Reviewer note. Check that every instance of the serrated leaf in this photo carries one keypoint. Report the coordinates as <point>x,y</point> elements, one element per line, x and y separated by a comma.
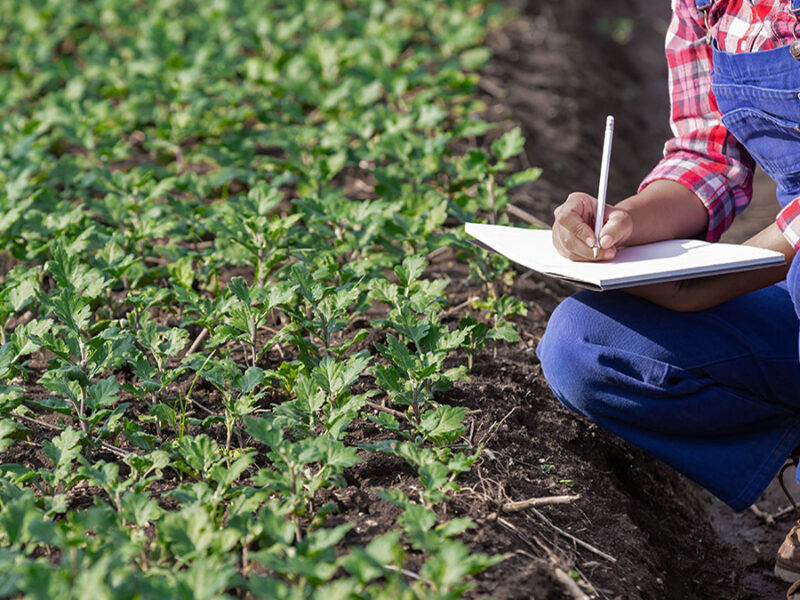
<point>504,331</point>
<point>253,377</point>
<point>410,270</point>
<point>139,508</point>
<point>444,423</point>
<point>510,144</point>
<point>103,393</point>
<point>63,451</point>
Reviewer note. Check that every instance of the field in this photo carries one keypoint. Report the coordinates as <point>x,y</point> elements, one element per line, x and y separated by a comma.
<point>247,350</point>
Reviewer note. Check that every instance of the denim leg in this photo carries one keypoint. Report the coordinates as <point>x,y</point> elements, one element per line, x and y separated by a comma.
<point>710,393</point>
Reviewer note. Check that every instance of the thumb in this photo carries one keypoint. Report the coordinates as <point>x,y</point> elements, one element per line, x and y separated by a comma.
<point>617,228</point>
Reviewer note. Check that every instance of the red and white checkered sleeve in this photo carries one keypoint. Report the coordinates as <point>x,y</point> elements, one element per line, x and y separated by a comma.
<point>701,155</point>
<point>788,221</point>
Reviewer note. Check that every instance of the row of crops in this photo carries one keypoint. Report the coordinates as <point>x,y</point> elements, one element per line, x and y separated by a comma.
<point>217,229</point>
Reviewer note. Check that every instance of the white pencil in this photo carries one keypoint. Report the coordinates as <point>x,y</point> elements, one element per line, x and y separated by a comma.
<point>601,192</point>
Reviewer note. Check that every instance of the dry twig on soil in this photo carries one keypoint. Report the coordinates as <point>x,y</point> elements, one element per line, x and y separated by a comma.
<point>569,584</point>
<point>389,411</point>
<point>521,505</point>
<point>768,517</point>
<point>494,427</point>
<point>197,341</point>
<point>576,540</point>
<point>104,445</point>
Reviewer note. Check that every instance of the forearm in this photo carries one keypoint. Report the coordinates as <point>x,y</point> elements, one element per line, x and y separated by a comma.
<point>693,295</point>
<point>664,210</point>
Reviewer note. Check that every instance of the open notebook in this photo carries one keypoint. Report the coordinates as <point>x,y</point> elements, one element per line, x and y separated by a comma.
<point>635,265</point>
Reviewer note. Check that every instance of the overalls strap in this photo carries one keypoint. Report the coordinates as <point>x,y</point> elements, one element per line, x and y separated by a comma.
<point>704,5</point>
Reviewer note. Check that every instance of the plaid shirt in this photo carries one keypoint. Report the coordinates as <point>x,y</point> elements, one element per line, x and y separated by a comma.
<point>702,155</point>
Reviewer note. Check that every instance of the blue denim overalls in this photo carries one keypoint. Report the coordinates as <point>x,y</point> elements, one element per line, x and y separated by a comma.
<point>715,394</point>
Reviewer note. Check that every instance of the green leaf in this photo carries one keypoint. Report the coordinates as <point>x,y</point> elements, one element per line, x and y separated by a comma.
<point>443,424</point>
<point>63,451</point>
<point>510,144</point>
<point>10,431</point>
<point>522,177</point>
<point>226,475</point>
<point>102,393</point>
<point>410,270</point>
<point>339,456</point>
<point>417,521</point>
<point>474,58</point>
<point>208,577</point>
<point>200,452</point>
<point>430,115</point>
<point>264,430</point>
<point>504,331</point>
<point>139,508</point>
<point>433,476</point>
<point>253,377</point>
<point>321,540</point>
<point>72,310</point>
<point>239,288</point>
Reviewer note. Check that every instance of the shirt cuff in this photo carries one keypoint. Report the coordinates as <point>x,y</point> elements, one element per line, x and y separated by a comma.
<point>722,201</point>
<point>788,221</point>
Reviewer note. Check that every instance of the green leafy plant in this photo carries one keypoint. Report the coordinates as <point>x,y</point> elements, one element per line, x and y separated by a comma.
<point>216,228</point>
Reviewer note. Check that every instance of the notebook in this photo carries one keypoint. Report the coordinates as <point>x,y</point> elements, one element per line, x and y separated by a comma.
<point>635,265</point>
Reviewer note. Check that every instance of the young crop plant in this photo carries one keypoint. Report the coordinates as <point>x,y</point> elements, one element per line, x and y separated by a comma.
<point>216,222</point>
<point>247,313</point>
<point>300,467</point>
<point>240,391</point>
<point>362,230</point>
<point>133,206</point>
<point>478,178</point>
<point>415,356</point>
<point>324,399</point>
<point>251,230</point>
<point>447,560</point>
<point>81,350</point>
<point>479,334</point>
<point>324,312</point>
<point>156,346</point>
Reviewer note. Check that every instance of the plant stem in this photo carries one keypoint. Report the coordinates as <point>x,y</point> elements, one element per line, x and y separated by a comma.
<point>492,201</point>
<point>84,427</point>
<point>415,403</point>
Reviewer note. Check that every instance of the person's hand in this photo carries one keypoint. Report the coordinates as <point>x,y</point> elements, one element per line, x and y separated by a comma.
<point>573,229</point>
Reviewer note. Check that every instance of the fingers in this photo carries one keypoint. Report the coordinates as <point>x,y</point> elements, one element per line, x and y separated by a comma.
<point>573,229</point>
<point>573,237</point>
<point>617,228</point>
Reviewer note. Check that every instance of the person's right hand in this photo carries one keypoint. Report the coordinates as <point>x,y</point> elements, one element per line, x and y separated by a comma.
<point>573,229</point>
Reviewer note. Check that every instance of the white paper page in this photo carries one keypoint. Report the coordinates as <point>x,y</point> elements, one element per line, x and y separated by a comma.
<point>534,249</point>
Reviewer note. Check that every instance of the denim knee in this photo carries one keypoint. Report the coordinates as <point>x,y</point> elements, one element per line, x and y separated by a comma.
<point>565,354</point>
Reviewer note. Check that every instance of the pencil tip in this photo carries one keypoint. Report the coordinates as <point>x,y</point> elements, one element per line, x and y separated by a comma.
<point>594,252</point>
